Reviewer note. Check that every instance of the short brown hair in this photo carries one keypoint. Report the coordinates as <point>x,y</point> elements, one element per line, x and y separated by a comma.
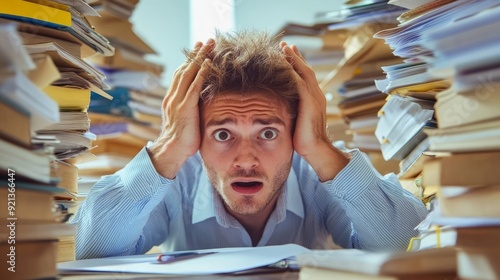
<point>249,61</point>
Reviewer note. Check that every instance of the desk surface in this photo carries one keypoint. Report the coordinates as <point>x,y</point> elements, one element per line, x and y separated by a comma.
<point>286,275</point>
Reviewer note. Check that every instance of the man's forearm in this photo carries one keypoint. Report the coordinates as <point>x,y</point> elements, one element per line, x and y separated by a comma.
<point>327,161</point>
<point>117,211</point>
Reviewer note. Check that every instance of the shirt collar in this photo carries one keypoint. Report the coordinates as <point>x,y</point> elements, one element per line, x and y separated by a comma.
<point>209,205</point>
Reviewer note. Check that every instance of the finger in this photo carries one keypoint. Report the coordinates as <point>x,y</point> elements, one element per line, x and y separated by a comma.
<point>282,44</point>
<point>182,68</point>
<point>297,52</point>
<point>299,65</point>
<point>193,93</point>
<point>189,74</point>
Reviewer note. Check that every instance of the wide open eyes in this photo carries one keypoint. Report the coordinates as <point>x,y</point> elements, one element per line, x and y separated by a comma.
<point>268,134</point>
<point>222,135</point>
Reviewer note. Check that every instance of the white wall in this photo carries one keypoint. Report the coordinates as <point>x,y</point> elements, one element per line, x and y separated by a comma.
<point>271,15</point>
<point>166,24</point>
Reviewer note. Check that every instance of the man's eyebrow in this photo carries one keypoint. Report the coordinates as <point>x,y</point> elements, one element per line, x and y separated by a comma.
<point>269,120</point>
<point>220,122</point>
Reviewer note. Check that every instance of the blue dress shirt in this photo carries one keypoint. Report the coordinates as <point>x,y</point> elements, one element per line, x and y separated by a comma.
<point>135,209</point>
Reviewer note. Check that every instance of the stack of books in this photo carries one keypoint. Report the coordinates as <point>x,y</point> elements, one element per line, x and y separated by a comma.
<point>323,50</point>
<point>468,133</point>
<point>32,222</point>
<point>411,91</point>
<point>57,43</point>
<point>450,58</point>
<point>350,84</point>
<point>124,125</point>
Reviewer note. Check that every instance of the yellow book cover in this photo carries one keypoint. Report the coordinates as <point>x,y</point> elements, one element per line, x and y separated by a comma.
<point>40,12</point>
<point>69,98</point>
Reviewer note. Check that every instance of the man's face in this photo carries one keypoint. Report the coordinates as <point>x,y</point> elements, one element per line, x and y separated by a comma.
<point>247,149</point>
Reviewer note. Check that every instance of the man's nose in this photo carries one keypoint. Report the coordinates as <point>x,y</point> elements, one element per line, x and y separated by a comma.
<point>246,157</point>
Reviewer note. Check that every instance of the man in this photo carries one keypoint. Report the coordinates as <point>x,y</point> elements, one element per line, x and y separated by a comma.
<point>244,160</point>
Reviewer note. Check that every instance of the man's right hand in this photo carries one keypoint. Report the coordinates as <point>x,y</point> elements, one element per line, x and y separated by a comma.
<point>180,135</point>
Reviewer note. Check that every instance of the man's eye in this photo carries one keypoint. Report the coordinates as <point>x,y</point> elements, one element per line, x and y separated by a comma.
<point>222,135</point>
<point>268,134</point>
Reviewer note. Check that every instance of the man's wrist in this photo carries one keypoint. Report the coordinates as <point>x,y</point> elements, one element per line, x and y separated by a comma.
<point>164,162</point>
<point>327,161</point>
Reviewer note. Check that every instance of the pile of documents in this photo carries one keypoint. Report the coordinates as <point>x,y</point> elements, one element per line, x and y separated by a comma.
<point>451,58</point>
<point>124,125</point>
<point>351,82</point>
<point>30,235</point>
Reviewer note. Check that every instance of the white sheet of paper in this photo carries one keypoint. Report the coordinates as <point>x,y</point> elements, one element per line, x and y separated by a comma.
<point>224,261</point>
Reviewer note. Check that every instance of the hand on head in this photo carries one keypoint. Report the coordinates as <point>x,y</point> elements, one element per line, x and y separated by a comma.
<point>180,135</point>
<point>310,139</point>
<point>310,126</point>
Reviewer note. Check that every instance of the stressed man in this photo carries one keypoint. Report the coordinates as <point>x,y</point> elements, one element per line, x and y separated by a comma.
<point>243,159</point>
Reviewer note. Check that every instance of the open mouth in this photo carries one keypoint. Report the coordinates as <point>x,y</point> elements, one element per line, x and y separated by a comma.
<point>247,187</point>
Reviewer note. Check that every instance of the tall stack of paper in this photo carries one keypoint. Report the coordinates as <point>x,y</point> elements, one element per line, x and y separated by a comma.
<point>411,83</point>
<point>57,43</point>
<point>135,81</point>
<point>123,125</point>
<point>469,127</point>
<point>28,238</point>
<point>451,54</point>
<point>323,50</point>
<point>350,84</point>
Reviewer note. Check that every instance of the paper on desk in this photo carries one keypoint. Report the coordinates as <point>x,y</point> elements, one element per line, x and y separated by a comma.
<point>224,261</point>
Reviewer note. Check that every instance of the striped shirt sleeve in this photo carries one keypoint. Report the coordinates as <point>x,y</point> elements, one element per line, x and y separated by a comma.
<point>381,214</point>
<point>111,220</point>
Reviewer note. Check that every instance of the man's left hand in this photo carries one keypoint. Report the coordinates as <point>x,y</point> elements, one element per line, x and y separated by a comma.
<point>310,139</point>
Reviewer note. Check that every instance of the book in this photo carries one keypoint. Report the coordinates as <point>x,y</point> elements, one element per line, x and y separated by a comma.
<point>67,174</point>
<point>66,249</point>
<point>125,59</point>
<point>62,34</point>
<point>34,165</point>
<point>70,142</point>
<point>46,71</point>
<point>40,12</point>
<point>462,169</point>
<point>454,108</point>
<point>72,48</point>
<point>480,202</point>
<point>310,273</point>
<point>428,261</point>
<point>478,237</point>
<point>33,260</point>
<point>120,33</point>
<point>125,144</point>
<point>147,118</point>
<point>63,59</point>
<point>69,98</point>
<point>17,88</point>
<point>478,264</point>
<point>17,129</point>
<point>121,9</point>
<point>30,205</point>
<point>71,120</point>
<point>38,231</point>
<point>105,164</point>
<point>17,58</point>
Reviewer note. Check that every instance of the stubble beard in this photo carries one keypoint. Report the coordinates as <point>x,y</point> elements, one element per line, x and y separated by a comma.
<point>248,204</point>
